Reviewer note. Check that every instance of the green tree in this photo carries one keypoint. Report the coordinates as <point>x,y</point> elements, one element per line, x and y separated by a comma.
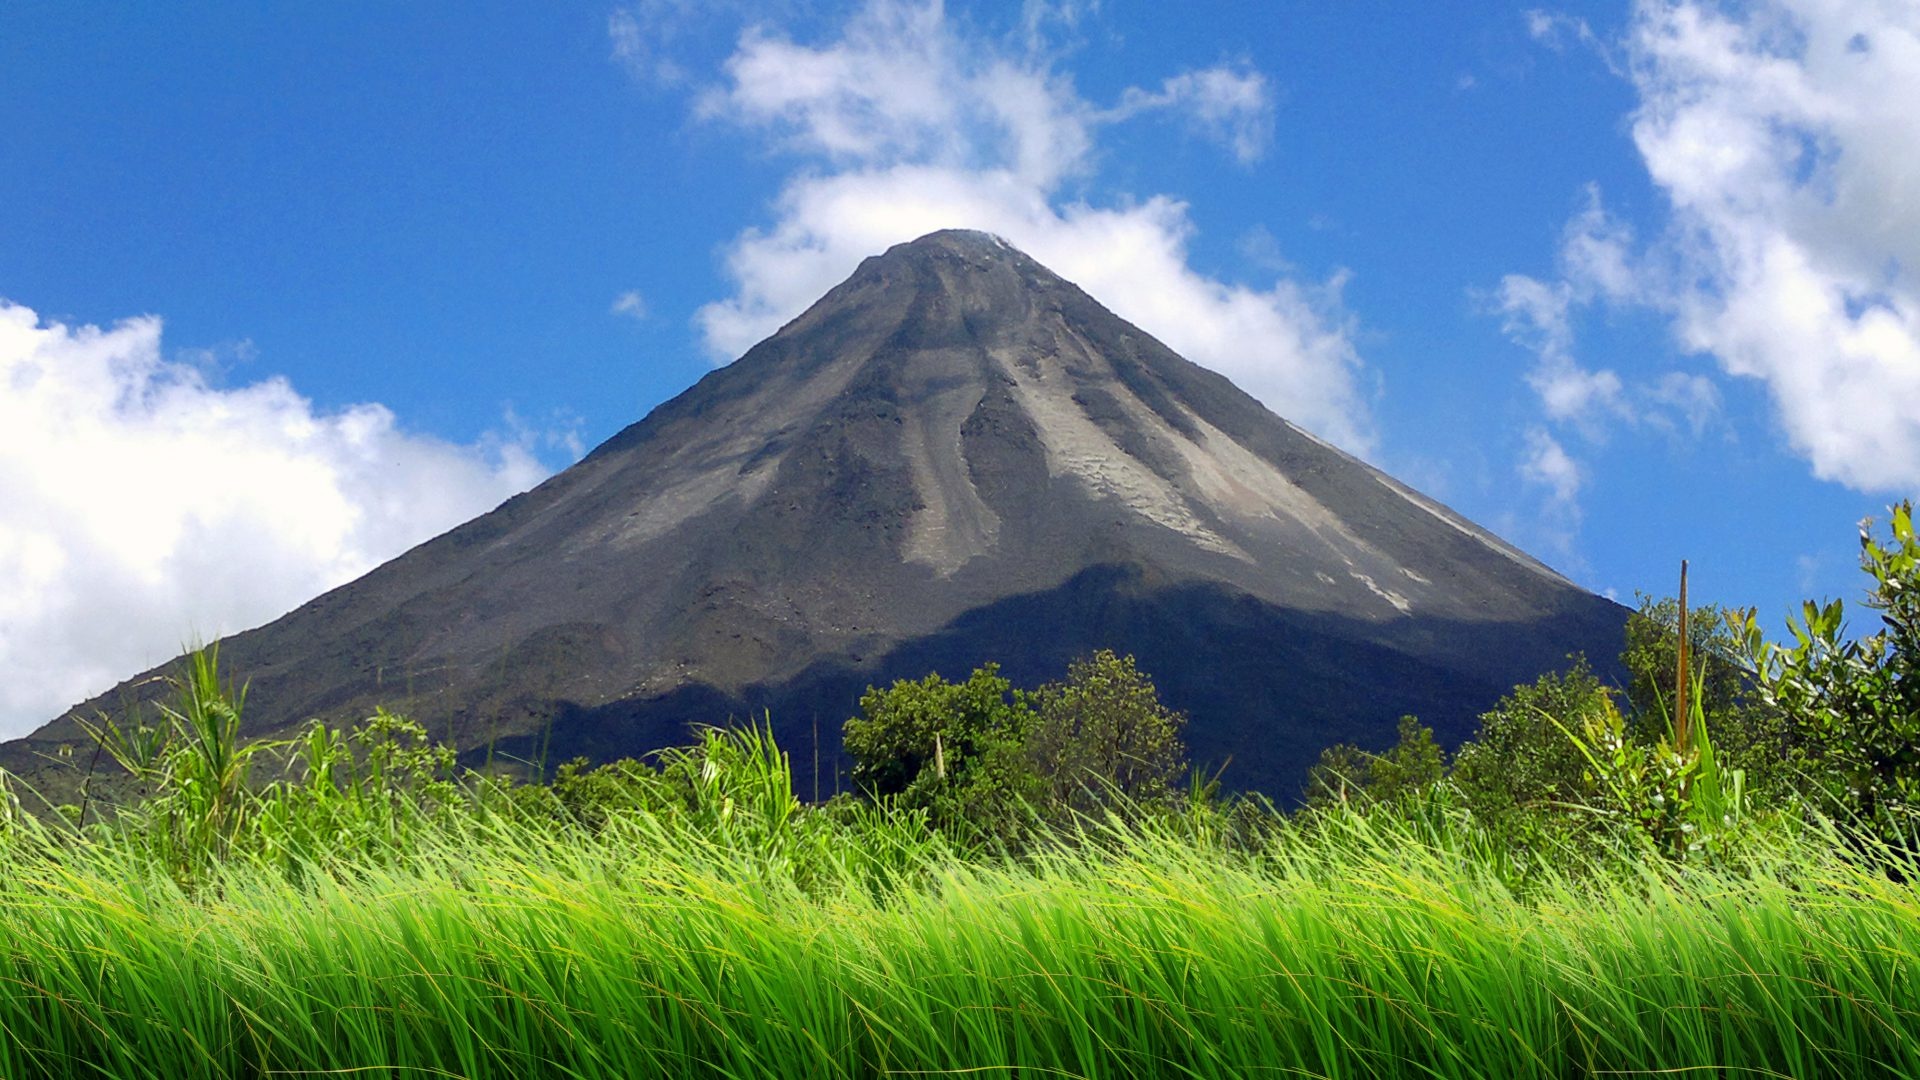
<point>1855,704</point>
<point>1340,777</point>
<point>955,750</point>
<point>1349,776</point>
<point>590,796</point>
<point>1556,768</point>
<point>1103,735</point>
<point>1522,774</point>
<point>1651,658</point>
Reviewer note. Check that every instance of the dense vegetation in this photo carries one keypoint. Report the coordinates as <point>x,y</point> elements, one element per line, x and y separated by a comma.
<point>1023,884</point>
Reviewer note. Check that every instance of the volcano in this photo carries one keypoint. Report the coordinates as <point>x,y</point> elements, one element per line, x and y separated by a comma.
<point>954,457</point>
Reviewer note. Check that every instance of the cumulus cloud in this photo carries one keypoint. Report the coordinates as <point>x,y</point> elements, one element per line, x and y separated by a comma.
<point>146,506</point>
<point>1781,135</point>
<point>905,123</point>
<point>900,85</point>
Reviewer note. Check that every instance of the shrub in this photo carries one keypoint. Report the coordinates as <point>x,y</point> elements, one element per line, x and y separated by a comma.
<point>1854,705</point>
<point>1521,774</point>
<point>988,764</point>
<point>952,750</point>
<point>375,790</point>
<point>198,771</point>
<point>1749,735</point>
<point>1346,775</point>
<point>1101,738</point>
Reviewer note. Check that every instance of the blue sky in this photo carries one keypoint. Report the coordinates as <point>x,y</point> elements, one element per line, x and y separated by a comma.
<point>285,293</point>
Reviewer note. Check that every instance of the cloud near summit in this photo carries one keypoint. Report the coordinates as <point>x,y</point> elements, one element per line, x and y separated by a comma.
<point>905,122</point>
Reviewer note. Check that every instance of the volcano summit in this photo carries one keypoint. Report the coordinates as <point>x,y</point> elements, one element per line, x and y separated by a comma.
<point>953,457</point>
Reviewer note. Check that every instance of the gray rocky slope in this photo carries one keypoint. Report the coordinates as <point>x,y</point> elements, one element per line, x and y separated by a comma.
<point>953,457</point>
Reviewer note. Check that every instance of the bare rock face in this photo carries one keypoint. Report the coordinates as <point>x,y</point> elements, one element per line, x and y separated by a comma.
<point>953,457</point>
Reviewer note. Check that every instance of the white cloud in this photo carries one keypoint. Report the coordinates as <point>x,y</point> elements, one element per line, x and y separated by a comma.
<point>1545,463</point>
<point>907,124</point>
<point>146,507</point>
<point>1232,106</point>
<point>1596,255</point>
<point>1694,399</point>
<point>1571,392</point>
<point>1261,248</point>
<point>631,305</point>
<point>1039,18</point>
<point>1596,264</point>
<point>901,86</point>
<point>643,34</point>
<point>1536,315</point>
<point>1556,29</point>
<point>1781,134</point>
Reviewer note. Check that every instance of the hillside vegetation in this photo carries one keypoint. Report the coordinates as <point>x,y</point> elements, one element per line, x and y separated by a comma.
<point>1026,883</point>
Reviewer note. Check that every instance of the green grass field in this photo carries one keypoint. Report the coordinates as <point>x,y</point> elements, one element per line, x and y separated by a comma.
<point>1356,949</point>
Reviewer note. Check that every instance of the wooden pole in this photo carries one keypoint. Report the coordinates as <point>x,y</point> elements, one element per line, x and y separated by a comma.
<point>1682,716</point>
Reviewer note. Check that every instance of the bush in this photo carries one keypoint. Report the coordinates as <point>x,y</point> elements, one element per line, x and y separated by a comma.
<point>1854,705</point>
<point>1521,774</point>
<point>952,750</point>
<point>988,764</point>
<point>1102,738</point>
<point>367,793</point>
<point>1346,775</point>
<point>1748,734</point>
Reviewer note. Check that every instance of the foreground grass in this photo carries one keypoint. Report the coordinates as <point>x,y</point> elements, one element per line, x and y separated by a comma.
<point>1349,952</point>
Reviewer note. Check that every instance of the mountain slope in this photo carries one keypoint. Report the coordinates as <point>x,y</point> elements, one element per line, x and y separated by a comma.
<point>953,457</point>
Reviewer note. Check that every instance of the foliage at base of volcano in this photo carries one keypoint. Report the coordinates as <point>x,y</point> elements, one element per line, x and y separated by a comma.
<point>1020,888</point>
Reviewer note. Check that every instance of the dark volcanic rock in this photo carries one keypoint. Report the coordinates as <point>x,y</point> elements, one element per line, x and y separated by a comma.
<point>954,457</point>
